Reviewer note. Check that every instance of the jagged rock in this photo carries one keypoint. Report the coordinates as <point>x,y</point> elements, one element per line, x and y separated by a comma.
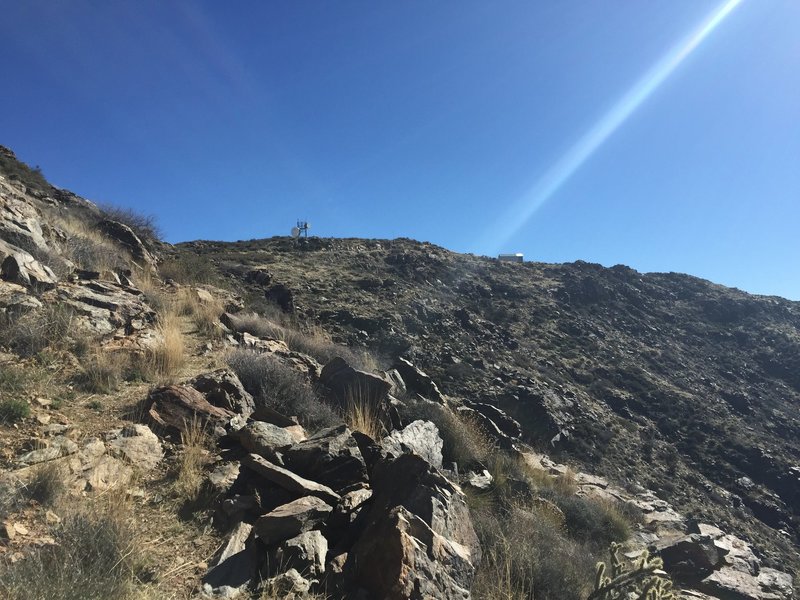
<point>331,456</point>
<point>502,421</point>
<point>175,407</point>
<point>224,476</point>
<point>15,301</point>
<point>127,238</point>
<point>137,445</point>
<point>349,506</point>
<point>400,557</point>
<point>106,307</point>
<point>691,558</point>
<point>351,385</point>
<point>419,437</point>
<point>288,480</point>
<point>17,266</point>
<point>58,447</point>
<point>418,381</point>
<point>479,481</point>
<point>419,541</point>
<point>222,388</point>
<point>305,552</point>
<point>282,296</point>
<point>287,586</point>
<point>487,426</point>
<point>236,566</point>
<point>730,584</point>
<point>20,223</point>
<point>292,519</point>
<point>263,438</point>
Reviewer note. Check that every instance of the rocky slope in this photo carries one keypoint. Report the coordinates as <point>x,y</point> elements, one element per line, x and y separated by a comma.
<point>662,380</point>
<point>256,458</point>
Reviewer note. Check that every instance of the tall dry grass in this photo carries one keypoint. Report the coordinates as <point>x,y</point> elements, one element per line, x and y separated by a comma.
<point>192,459</point>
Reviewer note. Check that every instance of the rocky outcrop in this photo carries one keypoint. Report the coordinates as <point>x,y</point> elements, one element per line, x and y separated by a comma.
<point>126,237</point>
<point>17,266</point>
<point>420,437</point>
<point>176,407</point>
<point>222,388</point>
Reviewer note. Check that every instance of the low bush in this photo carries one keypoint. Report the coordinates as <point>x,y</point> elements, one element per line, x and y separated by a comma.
<point>163,361</point>
<point>32,178</point>
<point>102,372</point>
<point>143,225</point>
<point>94,557</point>
<point>29,334</point>
<point>190,269</point>
<point>526,555</point>
<point>204,313</point>
<point>13,410</point>
<point>47,484</point>
<point>280,387</point>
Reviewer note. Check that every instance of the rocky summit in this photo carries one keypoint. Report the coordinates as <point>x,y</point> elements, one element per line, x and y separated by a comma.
<point>379,419</point>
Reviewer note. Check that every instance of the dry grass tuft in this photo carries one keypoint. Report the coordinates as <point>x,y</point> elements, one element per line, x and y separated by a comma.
<point>163,362</point>
<point>193,458</point>
<point>47,485</point>
<point>362,413</point>
<point>103,372</point>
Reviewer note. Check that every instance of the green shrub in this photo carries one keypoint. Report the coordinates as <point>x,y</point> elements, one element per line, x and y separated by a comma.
<point>275,385</point>
<point>13,410</point>
<point>190,269</point>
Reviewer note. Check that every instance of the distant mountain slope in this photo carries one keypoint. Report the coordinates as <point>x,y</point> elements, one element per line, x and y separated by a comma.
<point>663,380</point>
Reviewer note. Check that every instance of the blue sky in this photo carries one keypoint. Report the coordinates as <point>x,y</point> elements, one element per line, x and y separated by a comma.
<point>432,120</point>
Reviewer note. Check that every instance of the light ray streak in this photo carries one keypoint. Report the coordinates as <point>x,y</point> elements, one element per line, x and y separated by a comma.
<point>523,209</point>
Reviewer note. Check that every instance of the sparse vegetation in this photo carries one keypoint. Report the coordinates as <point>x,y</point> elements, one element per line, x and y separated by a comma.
<point>163,361</point>
<point>280,387</point>
<point>94,557</point>
<point>29,334</point>
<point>362,413</point>
<point>203,312</point>
<point>192,459</point>
<point>103,372</point>
<point>190,269</point>
<point>47,485</point>
<point>32,178</point>
<point>314,342</point>
<point>13,410</point>
<point>143,225</point>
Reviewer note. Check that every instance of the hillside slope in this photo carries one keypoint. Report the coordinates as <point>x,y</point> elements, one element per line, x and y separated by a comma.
<point>661,380</point>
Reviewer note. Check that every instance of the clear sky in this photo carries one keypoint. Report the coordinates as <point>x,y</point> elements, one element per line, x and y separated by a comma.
<point>664,135</point>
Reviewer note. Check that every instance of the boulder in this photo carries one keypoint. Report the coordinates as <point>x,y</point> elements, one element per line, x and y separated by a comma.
<point>107,308</point>
<point>17,266</point>
<point>237,564</point>
<point>15,300</point>
<point>691,558</point>
<point>419,541</point>
<point>126,237</point>
<point>287,586</point>
<point>137,445</point>
<point>263,438</point>
<point>501,420</point>
<point>331,456</point>
<point>288,480</point>
<point>56,448</point>
<point>418,381</point>
<point>222,388</point>
<point>400,557</point>
<point>305,552</point>
<point>420,437</point>
<point>176,407</point>
<point>351,385</point>
<point>292,519</point>
<point>487,426</point>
